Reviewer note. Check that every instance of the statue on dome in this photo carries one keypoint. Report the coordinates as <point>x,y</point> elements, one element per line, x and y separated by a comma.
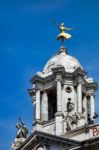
<point>21,134</point>
<point>63,35</point>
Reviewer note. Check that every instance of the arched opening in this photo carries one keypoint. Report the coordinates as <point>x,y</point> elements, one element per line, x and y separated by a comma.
<point>52,103</point>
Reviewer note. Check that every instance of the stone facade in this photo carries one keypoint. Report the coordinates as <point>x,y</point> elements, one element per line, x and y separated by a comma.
<point>63,101</point>
<point>63,94</point>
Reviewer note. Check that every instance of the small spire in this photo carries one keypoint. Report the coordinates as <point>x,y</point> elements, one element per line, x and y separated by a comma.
<point>62,34</point>
<point>63,49</point>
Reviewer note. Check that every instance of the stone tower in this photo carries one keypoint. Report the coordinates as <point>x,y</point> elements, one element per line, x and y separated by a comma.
<point>62,95</point>
<point>63,103</point>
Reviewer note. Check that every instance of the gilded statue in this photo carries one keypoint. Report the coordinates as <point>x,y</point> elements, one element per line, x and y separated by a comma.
<point>63,35</point>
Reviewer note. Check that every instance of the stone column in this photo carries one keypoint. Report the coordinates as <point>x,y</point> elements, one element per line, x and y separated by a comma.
<point>34,105</point>
<point>34,109</point>
<point>45,106</point>
<point>59,114</point>
<point>92,107</point>
<point>85,109</point>
<point>38,104</point>
<point>75,99</point>
<point>79,97</point>
<point>59,95</point>
<point>63,99</point>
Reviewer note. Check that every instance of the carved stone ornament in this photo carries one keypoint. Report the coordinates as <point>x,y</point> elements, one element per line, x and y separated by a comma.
<point>68,89</point>
<point>40,147</point>
<point>72,118</point>
<point>70,106</point>
<point>17,142</point>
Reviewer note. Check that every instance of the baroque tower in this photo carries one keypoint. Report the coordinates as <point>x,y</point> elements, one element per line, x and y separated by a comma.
<point>63,102</point>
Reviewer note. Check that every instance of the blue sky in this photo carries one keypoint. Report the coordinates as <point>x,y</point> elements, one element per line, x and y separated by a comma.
<point>28,40</point>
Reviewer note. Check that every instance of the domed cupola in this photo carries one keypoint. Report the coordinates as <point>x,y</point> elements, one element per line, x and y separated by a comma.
<point>62,59</point>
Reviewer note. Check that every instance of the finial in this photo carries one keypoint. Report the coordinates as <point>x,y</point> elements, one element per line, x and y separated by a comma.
<point>63,49</point>
<point>62,34</point>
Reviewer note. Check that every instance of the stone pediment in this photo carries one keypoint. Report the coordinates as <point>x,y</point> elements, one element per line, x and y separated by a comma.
<point>41,138</point>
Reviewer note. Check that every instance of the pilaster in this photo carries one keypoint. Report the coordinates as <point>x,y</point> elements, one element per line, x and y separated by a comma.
<point>59,123</point>
<point>85,109</point>
<point>92,109</point>
<point>59,94</point>
<point>79,97</point>
<point>38,104</point>
<point>44,106</point>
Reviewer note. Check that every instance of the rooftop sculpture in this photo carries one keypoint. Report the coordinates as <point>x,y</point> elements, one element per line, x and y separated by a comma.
<point>21,134</point>
<point>62,34</point>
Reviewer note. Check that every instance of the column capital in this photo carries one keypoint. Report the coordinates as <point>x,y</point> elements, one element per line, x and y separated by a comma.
<point>37,88</point>
<point>43,90</point>
<point>58,78</point>
<point>79,82</point>
<point>90,94</point>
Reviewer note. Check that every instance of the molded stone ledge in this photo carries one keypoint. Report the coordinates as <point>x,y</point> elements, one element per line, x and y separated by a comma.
<point>58,69</point>
<point>79,71</point>
<point>37,122</point>
<point>43,122</point>
<point>59,113</point>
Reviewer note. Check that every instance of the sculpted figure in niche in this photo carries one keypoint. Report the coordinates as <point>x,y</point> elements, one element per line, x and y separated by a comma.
<point>71,116</point>
<point>70,106</point>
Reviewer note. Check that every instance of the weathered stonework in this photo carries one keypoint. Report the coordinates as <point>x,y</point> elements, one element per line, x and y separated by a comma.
<point>60,73</point>
<point>63,100</point>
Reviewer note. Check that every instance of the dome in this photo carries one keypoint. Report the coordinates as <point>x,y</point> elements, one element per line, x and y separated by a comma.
<point>62,59</point>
